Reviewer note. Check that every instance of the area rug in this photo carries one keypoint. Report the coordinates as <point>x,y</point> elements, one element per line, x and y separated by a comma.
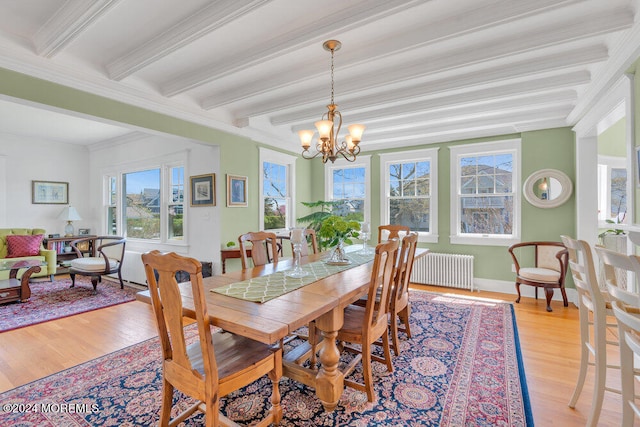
<point>461,368</point>
<point>53,300</point>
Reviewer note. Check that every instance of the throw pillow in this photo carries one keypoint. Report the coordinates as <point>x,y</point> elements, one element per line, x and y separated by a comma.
<point>23,245</point>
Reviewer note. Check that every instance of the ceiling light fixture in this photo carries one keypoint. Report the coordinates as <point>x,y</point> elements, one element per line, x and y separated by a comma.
<point>328,144</point>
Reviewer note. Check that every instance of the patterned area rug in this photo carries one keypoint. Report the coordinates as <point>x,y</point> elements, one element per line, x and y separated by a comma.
<point>53,300</point>
<point>461,368</point>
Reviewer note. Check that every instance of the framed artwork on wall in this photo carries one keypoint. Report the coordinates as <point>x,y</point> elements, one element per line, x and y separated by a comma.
<point>49,192</point>
<point>237,191</point>
<point>203,190</point>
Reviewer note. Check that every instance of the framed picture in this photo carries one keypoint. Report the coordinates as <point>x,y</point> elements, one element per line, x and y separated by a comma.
<point>237,191</point>
<point>83,231</point>
<point>49,192</point>
<point>203,190</point>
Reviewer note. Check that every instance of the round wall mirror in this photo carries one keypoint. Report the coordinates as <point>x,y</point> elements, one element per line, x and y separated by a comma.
<point>547,188</point>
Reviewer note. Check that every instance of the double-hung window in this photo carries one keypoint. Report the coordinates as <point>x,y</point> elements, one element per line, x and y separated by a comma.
<point>612,189</point>
<point>485,193</point>
<point>277,184</point>
<point>349,183</point>
<point>410,191</point>
<point>146,203</point>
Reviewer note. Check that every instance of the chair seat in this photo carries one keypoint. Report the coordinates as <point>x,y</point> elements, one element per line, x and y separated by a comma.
<point>540,274</point>
<point>234,354</point>
<point>93,264</point>
<point>353,318</point>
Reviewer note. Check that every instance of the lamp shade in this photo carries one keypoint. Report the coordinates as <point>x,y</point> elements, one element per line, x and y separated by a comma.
<point>69,214</point>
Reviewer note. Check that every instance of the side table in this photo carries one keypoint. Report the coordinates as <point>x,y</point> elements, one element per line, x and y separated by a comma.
<point>14,289</point>
<point>230,253</point>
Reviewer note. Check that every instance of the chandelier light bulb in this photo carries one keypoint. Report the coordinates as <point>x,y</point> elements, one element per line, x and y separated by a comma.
<point>324,129</point>
<point>305,138</point>
<point>356,131</point>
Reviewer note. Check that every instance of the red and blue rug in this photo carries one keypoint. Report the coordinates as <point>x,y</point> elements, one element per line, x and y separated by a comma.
<point>461,368</point>
<point>54,300</point>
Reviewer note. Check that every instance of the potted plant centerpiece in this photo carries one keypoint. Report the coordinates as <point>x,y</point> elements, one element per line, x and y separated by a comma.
<point>337,231</point>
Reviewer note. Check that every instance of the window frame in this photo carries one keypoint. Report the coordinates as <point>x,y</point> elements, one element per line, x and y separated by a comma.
<point>386,160</point>
<point>605,166</point>
<point>164,164</point>
<point>359,162</point>
<point>289,161</point>
<point>512,146</point>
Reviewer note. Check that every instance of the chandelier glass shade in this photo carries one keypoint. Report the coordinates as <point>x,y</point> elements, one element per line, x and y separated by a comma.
<point>328,144</point>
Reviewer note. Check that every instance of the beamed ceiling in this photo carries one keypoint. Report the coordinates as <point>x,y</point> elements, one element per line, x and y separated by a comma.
<point>413,72</point>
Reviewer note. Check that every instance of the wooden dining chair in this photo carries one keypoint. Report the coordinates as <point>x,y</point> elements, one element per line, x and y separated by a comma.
<point>400,306</point>
<point>365,325</point>
<point>593,312</point>
<point>310,234</point>
<point>211,366</point>
<point>626,309</point>
<point>264,249</point>
<point>393,231</point>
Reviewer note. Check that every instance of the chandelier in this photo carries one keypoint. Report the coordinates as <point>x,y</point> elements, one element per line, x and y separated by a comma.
<point>328,144</point>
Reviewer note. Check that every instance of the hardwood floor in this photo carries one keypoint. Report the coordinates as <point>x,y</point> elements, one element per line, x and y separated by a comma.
<point>549,343</point>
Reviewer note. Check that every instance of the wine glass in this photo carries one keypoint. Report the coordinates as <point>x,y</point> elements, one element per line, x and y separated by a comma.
<point>297,240</point>
<point>365,231</point>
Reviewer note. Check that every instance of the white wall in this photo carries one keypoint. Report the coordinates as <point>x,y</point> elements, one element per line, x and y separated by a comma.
<point>30,159</point>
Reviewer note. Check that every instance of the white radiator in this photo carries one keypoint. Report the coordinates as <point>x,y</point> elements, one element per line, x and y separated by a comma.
<point>452,270</point>
<point>133,269</point>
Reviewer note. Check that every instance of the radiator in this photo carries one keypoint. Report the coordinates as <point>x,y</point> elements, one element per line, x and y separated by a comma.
<point>133,269</point>
<point>452,270</point>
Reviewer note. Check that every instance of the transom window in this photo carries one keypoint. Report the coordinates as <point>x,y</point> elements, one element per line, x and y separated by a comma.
<point>486,204</point>
<point>409,191</point>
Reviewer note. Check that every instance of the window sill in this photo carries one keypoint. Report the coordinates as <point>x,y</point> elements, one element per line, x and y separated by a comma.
<point>483,240</point>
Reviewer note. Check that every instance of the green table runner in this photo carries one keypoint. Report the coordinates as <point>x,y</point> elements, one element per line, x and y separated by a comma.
<point>265,288</point>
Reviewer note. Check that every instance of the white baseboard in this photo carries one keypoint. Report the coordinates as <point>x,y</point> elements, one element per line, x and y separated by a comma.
<point>507,287</point>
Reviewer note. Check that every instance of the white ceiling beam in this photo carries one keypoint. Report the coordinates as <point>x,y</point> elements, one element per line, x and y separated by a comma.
<point>507,90</point>
<point>204,21</point>
<point>67,23</point>
<point>497,74</point>
<point>348,18</point>
<point>457,25</point>
<point>494,107</point>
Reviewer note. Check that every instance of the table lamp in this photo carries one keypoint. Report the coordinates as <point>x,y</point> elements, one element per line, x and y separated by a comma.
<point>69,214</point>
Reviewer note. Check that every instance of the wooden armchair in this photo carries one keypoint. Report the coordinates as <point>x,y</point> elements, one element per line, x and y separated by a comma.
<point>264,249</point>
<point>213,365</point>
<point>393,230</point>
<point>108,258</point>
<point>549,269</point>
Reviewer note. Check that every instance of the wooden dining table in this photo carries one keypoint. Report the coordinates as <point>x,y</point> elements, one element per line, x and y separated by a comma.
<point>323,301</point>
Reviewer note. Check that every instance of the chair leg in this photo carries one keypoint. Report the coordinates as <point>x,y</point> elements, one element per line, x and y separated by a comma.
<point>518,290</point>
<point>167,402</point>
<point>73,280</point>
<point>94,282</point>
<point>366,371</point>
<point>394,333</point>
<point>584,356</point>
<point>120,278</point>
<point>405,315</point>
<point>387,351</point>
<point>600,347</point>
<point>565,300</point>
<point>549,294</point>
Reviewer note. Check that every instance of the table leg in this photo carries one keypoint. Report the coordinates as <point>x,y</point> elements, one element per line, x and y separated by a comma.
<point>25,290</point>
<point>330,381</point>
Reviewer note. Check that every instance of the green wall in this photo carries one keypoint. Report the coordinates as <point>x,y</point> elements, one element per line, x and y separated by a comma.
<point>612,142</point>
<point>552,148</point>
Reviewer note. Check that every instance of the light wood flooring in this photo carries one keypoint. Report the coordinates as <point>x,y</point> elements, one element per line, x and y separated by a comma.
<point>549,342</point>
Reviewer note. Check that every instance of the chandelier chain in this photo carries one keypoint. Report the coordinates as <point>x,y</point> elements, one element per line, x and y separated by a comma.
<point>332,50</point>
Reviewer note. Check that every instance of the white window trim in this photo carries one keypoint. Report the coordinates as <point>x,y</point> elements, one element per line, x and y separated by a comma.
<point>277,157</point>
<point>456,151</point>
<point>430,154</point>
<point>179,158</point>
<point>360,161</point>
